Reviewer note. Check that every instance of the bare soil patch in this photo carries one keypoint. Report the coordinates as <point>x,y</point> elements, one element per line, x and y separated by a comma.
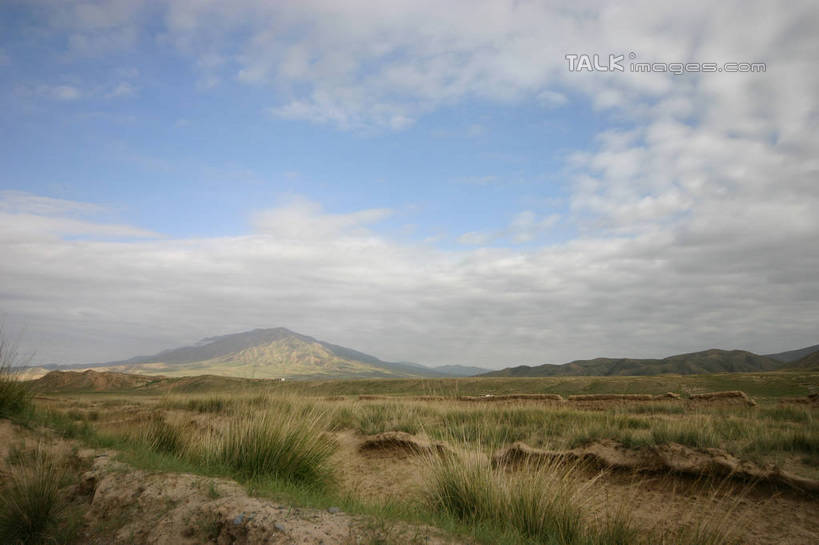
<point>670,458</point>
<point>731,397</point>
<point>401,443</point>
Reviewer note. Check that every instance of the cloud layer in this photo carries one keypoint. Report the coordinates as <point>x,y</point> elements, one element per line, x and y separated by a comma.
<point>330,276</point>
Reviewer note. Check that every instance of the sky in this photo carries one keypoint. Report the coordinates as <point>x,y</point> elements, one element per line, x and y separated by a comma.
<point>418,180</point>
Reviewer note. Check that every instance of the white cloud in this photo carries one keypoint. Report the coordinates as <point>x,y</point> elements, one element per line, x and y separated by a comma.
<point>302,220</point>
<point>523,227</point>
<point>122,90</point>
<point>24,202</point>
<point>526,225</point>
<point>475,238</point>
<point>60,92</point>
<point>25,215</point>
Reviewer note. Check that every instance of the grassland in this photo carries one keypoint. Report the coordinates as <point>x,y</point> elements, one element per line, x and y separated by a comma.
<point>300,442</point>
<point>762,386</point>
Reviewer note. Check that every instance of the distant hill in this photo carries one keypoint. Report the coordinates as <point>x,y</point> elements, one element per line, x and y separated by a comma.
<point>811,361</point>
<point>90,381</point>
<point>266,353</point>
<point>794,355</point>
<point>460,370</point>
<point>708,361</point>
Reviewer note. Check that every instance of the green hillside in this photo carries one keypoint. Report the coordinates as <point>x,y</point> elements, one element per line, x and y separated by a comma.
<point>708,361</point>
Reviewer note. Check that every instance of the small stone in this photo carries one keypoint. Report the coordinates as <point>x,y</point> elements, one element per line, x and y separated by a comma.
<point>239,518</point>
<point>333,510</point>
<point>279,526</point>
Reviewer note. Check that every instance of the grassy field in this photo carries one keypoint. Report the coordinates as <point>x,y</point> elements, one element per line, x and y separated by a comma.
<point>298,441</point>
<point>762,386</point>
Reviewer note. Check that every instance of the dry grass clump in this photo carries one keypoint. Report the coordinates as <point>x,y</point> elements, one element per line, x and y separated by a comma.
<point>287,447</point>
<point>283,440</point>
<point>544,504</point>
<point>161,436</point>
<point>550,503</point>
<point>14,396</point>
<point>29,500</point>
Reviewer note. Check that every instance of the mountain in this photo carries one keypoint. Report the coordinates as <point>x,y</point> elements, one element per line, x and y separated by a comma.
<point>811,361</point>
<point>708,361</point>
<point>267,353</point>
<point>460,370</point>
<point>794,355</point>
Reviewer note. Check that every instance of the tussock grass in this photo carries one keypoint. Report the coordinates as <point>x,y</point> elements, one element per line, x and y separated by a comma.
<point>285,447</point>
<point>15,397</point>
<point>161,436</point>
<point>544,504</point>
<point>30,501</point>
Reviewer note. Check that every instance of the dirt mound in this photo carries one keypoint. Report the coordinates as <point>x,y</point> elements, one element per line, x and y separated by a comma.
<point>669,458</point>
<point>624,397</point>
<point>183,509</point>
<point>731,397</point>
<point>399,442</point>
<point>513,397</point>
<point>812,400</point>
<point>95,381</point>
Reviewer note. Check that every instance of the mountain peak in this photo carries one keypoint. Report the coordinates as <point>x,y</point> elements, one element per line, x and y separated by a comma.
<point>270,353</point>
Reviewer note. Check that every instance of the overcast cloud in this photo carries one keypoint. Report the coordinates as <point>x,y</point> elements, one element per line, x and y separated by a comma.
<point>696,217</point>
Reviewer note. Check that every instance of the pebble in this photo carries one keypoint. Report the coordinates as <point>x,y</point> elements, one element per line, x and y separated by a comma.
<point>279,526</point>
<point>333,510</point>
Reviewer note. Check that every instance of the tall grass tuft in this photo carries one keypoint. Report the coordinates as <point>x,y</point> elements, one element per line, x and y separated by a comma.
<point>29,501</point>
<point>14,396</point>
<point>163,437</point>
<point>287,447</point>
<point>543,504</point>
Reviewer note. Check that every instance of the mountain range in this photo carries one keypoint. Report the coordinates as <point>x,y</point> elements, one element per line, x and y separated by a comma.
<point>279,353</point>
<point>706,361</point>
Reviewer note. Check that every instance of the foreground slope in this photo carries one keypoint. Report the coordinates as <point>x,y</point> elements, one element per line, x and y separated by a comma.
<point>708,361</point>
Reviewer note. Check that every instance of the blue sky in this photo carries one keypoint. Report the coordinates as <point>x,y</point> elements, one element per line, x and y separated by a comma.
<point>168,152</point>
<point>376,175</point>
